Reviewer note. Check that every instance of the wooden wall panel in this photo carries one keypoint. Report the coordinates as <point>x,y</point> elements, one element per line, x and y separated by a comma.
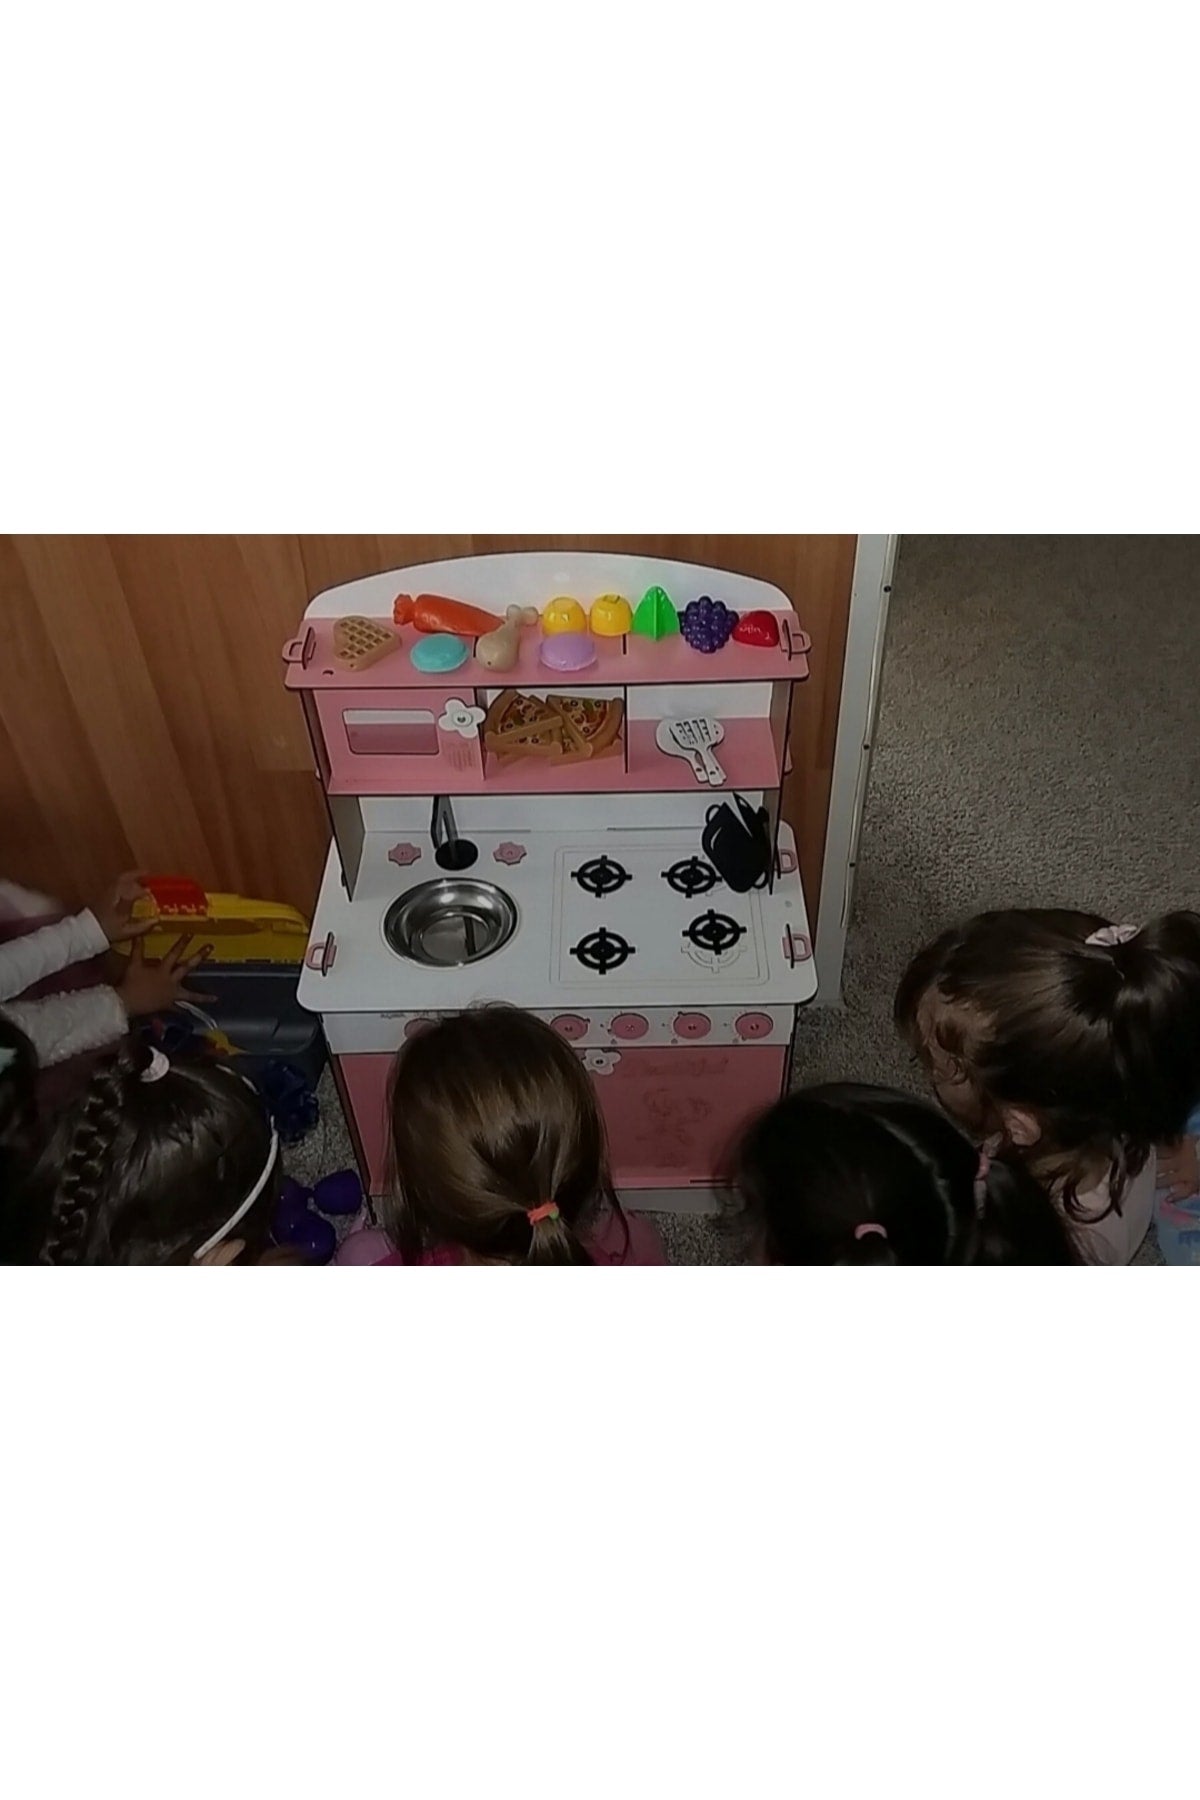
<point>143,720</point>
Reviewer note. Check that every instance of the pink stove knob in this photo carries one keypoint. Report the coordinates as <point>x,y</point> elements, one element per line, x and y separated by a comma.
<point>570,1025</point>
<point>415,1027</point>
<point>753,1025</point>
<point>630,1025</point>
<point>692,1025</point>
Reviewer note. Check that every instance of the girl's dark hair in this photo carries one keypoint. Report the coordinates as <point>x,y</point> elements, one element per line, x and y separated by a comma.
<point>848,1173</point>
<point>1100,1042</point>
<point>493,1116</point>
<point>145,1171</point>
<point>19,1219</point>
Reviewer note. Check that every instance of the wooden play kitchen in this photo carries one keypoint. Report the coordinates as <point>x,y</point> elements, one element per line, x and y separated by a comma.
<point>553,778</point>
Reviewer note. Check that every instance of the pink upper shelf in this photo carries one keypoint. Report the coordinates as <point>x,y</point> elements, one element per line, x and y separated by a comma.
<point>626,661</point>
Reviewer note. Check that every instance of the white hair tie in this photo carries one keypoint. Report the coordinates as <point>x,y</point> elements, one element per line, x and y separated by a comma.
<point>1109,936</point>
<point>156,1068</point>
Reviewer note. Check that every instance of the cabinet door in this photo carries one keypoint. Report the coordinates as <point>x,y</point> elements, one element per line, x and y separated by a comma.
<point>366,1079</point>
<point>672,1114</point>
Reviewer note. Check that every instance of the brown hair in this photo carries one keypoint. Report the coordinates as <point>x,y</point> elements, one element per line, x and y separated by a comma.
<point>492,1117</point>
<point>849,1173</point>
<point>145,1171</point>
<point>1101,1043</point>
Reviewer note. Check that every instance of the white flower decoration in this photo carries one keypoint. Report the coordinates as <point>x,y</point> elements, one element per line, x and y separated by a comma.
<point>466,720</point>
<point>601,1062</point>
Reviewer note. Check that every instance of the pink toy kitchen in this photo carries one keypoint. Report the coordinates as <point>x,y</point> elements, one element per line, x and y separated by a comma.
<point>554,779</point>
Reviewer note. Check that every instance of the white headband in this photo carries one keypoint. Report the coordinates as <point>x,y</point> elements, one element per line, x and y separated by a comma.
<point>223,1231</point>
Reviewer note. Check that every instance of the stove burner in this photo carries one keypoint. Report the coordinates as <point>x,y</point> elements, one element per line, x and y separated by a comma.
<point>690,877</point>
<point>714,931</point>
<point>602,950</point>
<point>601,876</point>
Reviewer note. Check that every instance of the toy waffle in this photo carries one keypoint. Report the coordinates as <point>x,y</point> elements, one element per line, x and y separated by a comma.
<point>358,642</point>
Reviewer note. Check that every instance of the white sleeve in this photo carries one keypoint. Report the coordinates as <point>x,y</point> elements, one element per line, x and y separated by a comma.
<point>31,958</point>
<point>23,903</point>
<point>64,1025</point>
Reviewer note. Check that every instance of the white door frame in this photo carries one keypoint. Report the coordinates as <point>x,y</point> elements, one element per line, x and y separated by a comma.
<point>870,592</point>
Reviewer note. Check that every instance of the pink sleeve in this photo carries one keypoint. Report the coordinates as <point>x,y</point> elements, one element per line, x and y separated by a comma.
<point>364,1248</point>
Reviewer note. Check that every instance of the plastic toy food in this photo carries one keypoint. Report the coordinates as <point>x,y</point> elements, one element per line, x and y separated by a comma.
<point>438,654</point>
<point>563,727</point>
<point>655,616</point>
<point>706,624</point>
<point>563,614</point>
<point>435,612</point>
<point>761,628</point>
<point>357,643</point>
<point>568,650</point>
<point>499,649</point>
<point>611,615</point>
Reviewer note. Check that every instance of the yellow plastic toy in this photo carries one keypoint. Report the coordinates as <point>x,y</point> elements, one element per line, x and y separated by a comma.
<point>563,614</point>
<point>234,929</point>
<point>611,616</point>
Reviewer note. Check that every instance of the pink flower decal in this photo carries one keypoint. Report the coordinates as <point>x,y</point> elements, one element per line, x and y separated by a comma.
<point>509,853</point>
<point>404,854</point>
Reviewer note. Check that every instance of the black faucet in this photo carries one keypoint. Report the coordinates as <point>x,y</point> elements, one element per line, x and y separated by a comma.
<point>449,850</point>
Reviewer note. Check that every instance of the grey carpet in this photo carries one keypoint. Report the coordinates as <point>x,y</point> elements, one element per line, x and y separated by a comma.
<point>1036,745</point>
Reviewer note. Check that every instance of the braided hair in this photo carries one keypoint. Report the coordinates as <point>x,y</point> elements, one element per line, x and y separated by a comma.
<point>18,1140</point>
<point>849,1173</point>
<point>145,1171</point>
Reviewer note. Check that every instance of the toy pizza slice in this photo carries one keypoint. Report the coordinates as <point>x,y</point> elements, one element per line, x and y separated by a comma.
<point>357,643</point>
<point>522,725</point>
<point>592,722</point>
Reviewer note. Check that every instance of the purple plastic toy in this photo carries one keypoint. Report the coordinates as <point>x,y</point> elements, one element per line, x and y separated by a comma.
<point>706,623</point>
<point>296,1225</point>
<point>567,651</point>
<point>341,1194</point>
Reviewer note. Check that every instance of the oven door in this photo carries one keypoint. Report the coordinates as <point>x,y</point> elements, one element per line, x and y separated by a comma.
<point>672,1114</point>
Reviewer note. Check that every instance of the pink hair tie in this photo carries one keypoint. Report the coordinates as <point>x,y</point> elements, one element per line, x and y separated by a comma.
<point>862,1231</point>
<point>1109,936</point>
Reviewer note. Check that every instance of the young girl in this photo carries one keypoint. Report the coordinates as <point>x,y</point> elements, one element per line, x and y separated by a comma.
<point>1076,1042</point>
<point>498,1153</point>
<point>853,1174</point>
<point>65,1024</point>
<point>162,1162</point>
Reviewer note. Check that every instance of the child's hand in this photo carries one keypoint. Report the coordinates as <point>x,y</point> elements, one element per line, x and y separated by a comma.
<point>154,987</point>
<point>1179,1168</point>
<point>115,915</point>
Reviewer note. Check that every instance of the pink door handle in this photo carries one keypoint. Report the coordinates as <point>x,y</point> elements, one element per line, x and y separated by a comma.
<point>321,956</point>
<point>792,939</point>
<point>300,650</point>
<point>785,861</point>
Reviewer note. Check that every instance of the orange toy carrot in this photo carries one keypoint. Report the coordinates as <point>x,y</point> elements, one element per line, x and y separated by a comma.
<point>434,612</point>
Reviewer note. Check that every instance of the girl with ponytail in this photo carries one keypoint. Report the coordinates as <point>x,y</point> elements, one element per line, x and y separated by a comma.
<point>160,1162</point>
<point>1074,1042</point>
<point>497,1153</point>
<point>848,1173</point>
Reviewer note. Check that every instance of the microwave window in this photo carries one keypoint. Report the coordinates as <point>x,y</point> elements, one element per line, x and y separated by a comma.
<point>388,732</point>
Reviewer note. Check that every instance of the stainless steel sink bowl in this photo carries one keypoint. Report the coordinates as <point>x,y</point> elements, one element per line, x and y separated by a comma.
<point>444,924</point>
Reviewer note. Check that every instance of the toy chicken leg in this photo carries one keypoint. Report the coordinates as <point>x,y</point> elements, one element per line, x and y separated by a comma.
<point>499,649</point>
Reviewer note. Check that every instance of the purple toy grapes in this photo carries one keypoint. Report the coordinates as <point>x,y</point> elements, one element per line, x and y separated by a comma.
<point>706,624</point>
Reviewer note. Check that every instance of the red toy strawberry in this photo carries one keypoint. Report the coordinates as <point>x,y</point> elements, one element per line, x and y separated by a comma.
<point>759,628</point>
